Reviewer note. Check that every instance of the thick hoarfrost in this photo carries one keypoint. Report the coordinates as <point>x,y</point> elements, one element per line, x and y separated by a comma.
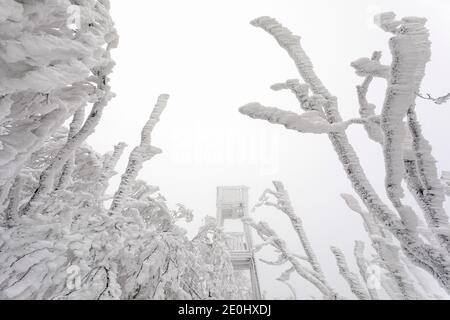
<point>307,122</point>
<point>58,239</point>
<point>47,72</point>
<point>407,154</point>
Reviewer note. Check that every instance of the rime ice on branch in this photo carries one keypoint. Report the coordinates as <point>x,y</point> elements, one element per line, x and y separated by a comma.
<point>394,128</point>
<point>48,72</point>
<point>145,151</point>
<point>315,275</point>
<point>53,218</point>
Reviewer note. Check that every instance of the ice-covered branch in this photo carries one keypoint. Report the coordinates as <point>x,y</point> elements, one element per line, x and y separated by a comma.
<point>410,48</point>
<point>74,128</point>
<point>107,37</point>
<point>431,258</point>
<point>387,252</point>
<point>47,177</point>
<point>46,71</point>
<point>363,267</point>
<point>11,212</point>
<point>268,235</point>
<point>352,279</point>
<point>284,278</point>
<point>411,162</point>
<point>366,67</point>
<point>283,203</point>
<point>439,100</point>
<point>287,40</point>
<point>301,92</point>
<point>145,151</point>
<point>307,122</point>
<point>445,179</point>
<point>366,109</point>
<point>109,164</point>
<point>433,196</point>
<point>369,220</point>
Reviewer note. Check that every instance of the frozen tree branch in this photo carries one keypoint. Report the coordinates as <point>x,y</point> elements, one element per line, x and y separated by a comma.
<point>109,164</point>
<point>284,204</point>
<point>445,179</point>
<point>47,177</point>
<point>11,212</point>
<point>307,122</point>
<point>67,170</point>
<point>46,72</point>
<point>438,101</point>
<point>145,151</point>
<point>411,163</point>
<point>433,197</point>
<point>363,267</point>
<point>352,279</point>
<point>284,278</point>
<point>268,235</point>
<point>366,109</point>
<point>387,251</point>
<point>411,51</point>
<point>301,91</point>
<point>366,67</point>
<point>410,47</point>
<point>103,95</point>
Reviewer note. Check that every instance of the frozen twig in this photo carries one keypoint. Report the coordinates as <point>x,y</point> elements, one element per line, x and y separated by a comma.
<point>387,251</point>
<point>145,151</point>
<point>363,267</point>
<point>439,100</point>
<point>268,235</point>
<point>283,203</point>
<point>352,279</point>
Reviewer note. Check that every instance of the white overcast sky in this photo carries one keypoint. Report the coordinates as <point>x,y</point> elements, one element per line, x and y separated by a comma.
<point>208,57</point>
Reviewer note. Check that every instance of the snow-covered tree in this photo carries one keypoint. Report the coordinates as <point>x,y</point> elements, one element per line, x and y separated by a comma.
<point>407,154</point>
<point>49,71</point>
<point>62,236</point>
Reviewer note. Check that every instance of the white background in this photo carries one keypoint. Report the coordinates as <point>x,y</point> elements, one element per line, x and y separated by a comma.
<point>212,61</point>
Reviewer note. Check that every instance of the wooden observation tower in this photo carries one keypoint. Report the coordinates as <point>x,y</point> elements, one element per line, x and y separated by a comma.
<point>232,204</point>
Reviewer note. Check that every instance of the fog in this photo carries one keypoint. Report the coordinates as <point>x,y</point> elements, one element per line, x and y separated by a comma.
<point>211,61</point>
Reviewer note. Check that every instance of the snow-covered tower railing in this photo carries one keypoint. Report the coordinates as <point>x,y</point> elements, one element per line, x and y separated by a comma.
<point>232,204</point>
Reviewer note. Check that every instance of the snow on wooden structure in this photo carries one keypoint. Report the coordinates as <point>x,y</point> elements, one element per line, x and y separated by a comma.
<point>232,204</point>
